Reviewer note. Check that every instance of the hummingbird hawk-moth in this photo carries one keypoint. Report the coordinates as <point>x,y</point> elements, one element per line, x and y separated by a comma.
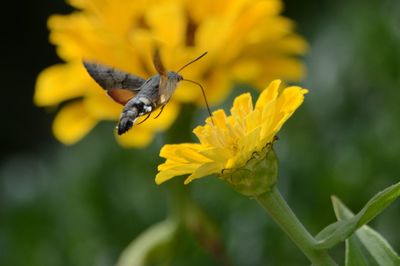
<point>139,96</point>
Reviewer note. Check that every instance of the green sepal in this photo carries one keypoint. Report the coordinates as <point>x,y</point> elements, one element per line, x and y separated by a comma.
<point>258,176</point>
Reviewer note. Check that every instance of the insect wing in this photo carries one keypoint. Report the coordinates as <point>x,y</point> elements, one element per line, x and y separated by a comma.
<point>159,66</point>
<point>121,96</point>
<point>164,82</point>
<point>120,86</point>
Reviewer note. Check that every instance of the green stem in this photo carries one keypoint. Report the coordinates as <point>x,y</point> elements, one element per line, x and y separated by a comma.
<point>182,207</point>
<point>276,206</point>
<point>192,218</point>
<point>179,197</point>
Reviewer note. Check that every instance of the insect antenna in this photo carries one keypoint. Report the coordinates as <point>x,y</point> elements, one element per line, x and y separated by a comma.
<point>191,62</point>
<point>204,95</point>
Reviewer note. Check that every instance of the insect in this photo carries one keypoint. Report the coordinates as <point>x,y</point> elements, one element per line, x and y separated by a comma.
<point>139,96</point>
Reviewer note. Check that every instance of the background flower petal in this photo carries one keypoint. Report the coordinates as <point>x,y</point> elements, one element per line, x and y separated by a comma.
<point>136,137</point>
<point>248,42</point>
<point>168,23</point>
<point>59,83</point>
<point>72,123</point>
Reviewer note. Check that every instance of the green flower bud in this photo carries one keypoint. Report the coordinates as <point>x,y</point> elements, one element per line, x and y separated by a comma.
<point>259,175</point>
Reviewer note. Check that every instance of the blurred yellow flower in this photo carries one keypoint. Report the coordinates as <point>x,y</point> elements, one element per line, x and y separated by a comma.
<point>247,40</point>
<point>229,142</point>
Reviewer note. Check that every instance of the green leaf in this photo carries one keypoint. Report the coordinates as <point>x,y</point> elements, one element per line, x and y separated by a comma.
<point>374,244</point>
<point>354,253</point>
<point>335,233</point>
<point>151,242</point>
<point>341,230</point>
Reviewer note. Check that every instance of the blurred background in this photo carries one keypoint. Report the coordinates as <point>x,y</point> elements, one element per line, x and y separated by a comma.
<point>82,204</point>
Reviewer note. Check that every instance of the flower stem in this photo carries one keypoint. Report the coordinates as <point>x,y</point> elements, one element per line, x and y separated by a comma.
<point>273,202</point>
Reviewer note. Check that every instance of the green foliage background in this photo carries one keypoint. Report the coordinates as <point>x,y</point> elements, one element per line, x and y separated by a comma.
<point>82,205</point>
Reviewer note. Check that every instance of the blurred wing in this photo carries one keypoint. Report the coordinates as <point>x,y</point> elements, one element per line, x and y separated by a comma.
<point>121,86</point>
<point>163,91</point>
<point>158,63</point>
<point>121,96</point>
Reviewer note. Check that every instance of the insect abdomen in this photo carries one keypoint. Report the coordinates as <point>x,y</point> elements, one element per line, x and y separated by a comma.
<point>136,107</point>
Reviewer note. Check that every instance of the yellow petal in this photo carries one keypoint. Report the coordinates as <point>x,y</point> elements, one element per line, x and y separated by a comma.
<point>101,106</point>
<point>213,34</point>
<point>59,83</point>
<point>168,171</point>
<point>242,106</point>
<point>253,120</point>
<point>201,10</point>
<point>81,4</point>
<point>186,92</point>
<point>289,100</point>
<point>72,123</point>
<point>170,150</point>
<point>142,44</point>
<point>203,170</point>
<point>247,70</point>
<point>168,23</point>
<point>219,118</point>
<point>135,138</point>
<point>184,153</point>
<point>280,67</point>
<point>216,154</point>
<point>177,168</point>
<point>269,94</point>
<point>217,87</point>
<point>293,44</point>
<point>253,16</point>
<point>74,36</point>
<point>248,145</point>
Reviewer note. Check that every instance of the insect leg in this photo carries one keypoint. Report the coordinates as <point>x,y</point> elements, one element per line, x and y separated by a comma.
<point>162,108</point>
<point>144,119</point>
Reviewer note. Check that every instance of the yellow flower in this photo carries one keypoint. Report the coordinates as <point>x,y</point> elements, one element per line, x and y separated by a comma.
<point>228,143</point>
<point>241,36</point>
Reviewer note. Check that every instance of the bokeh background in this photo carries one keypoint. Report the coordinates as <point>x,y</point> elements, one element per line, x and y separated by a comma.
<point>82,204</point>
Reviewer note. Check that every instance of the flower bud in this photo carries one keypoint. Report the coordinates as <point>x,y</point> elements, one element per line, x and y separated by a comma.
<point>258,176</point>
